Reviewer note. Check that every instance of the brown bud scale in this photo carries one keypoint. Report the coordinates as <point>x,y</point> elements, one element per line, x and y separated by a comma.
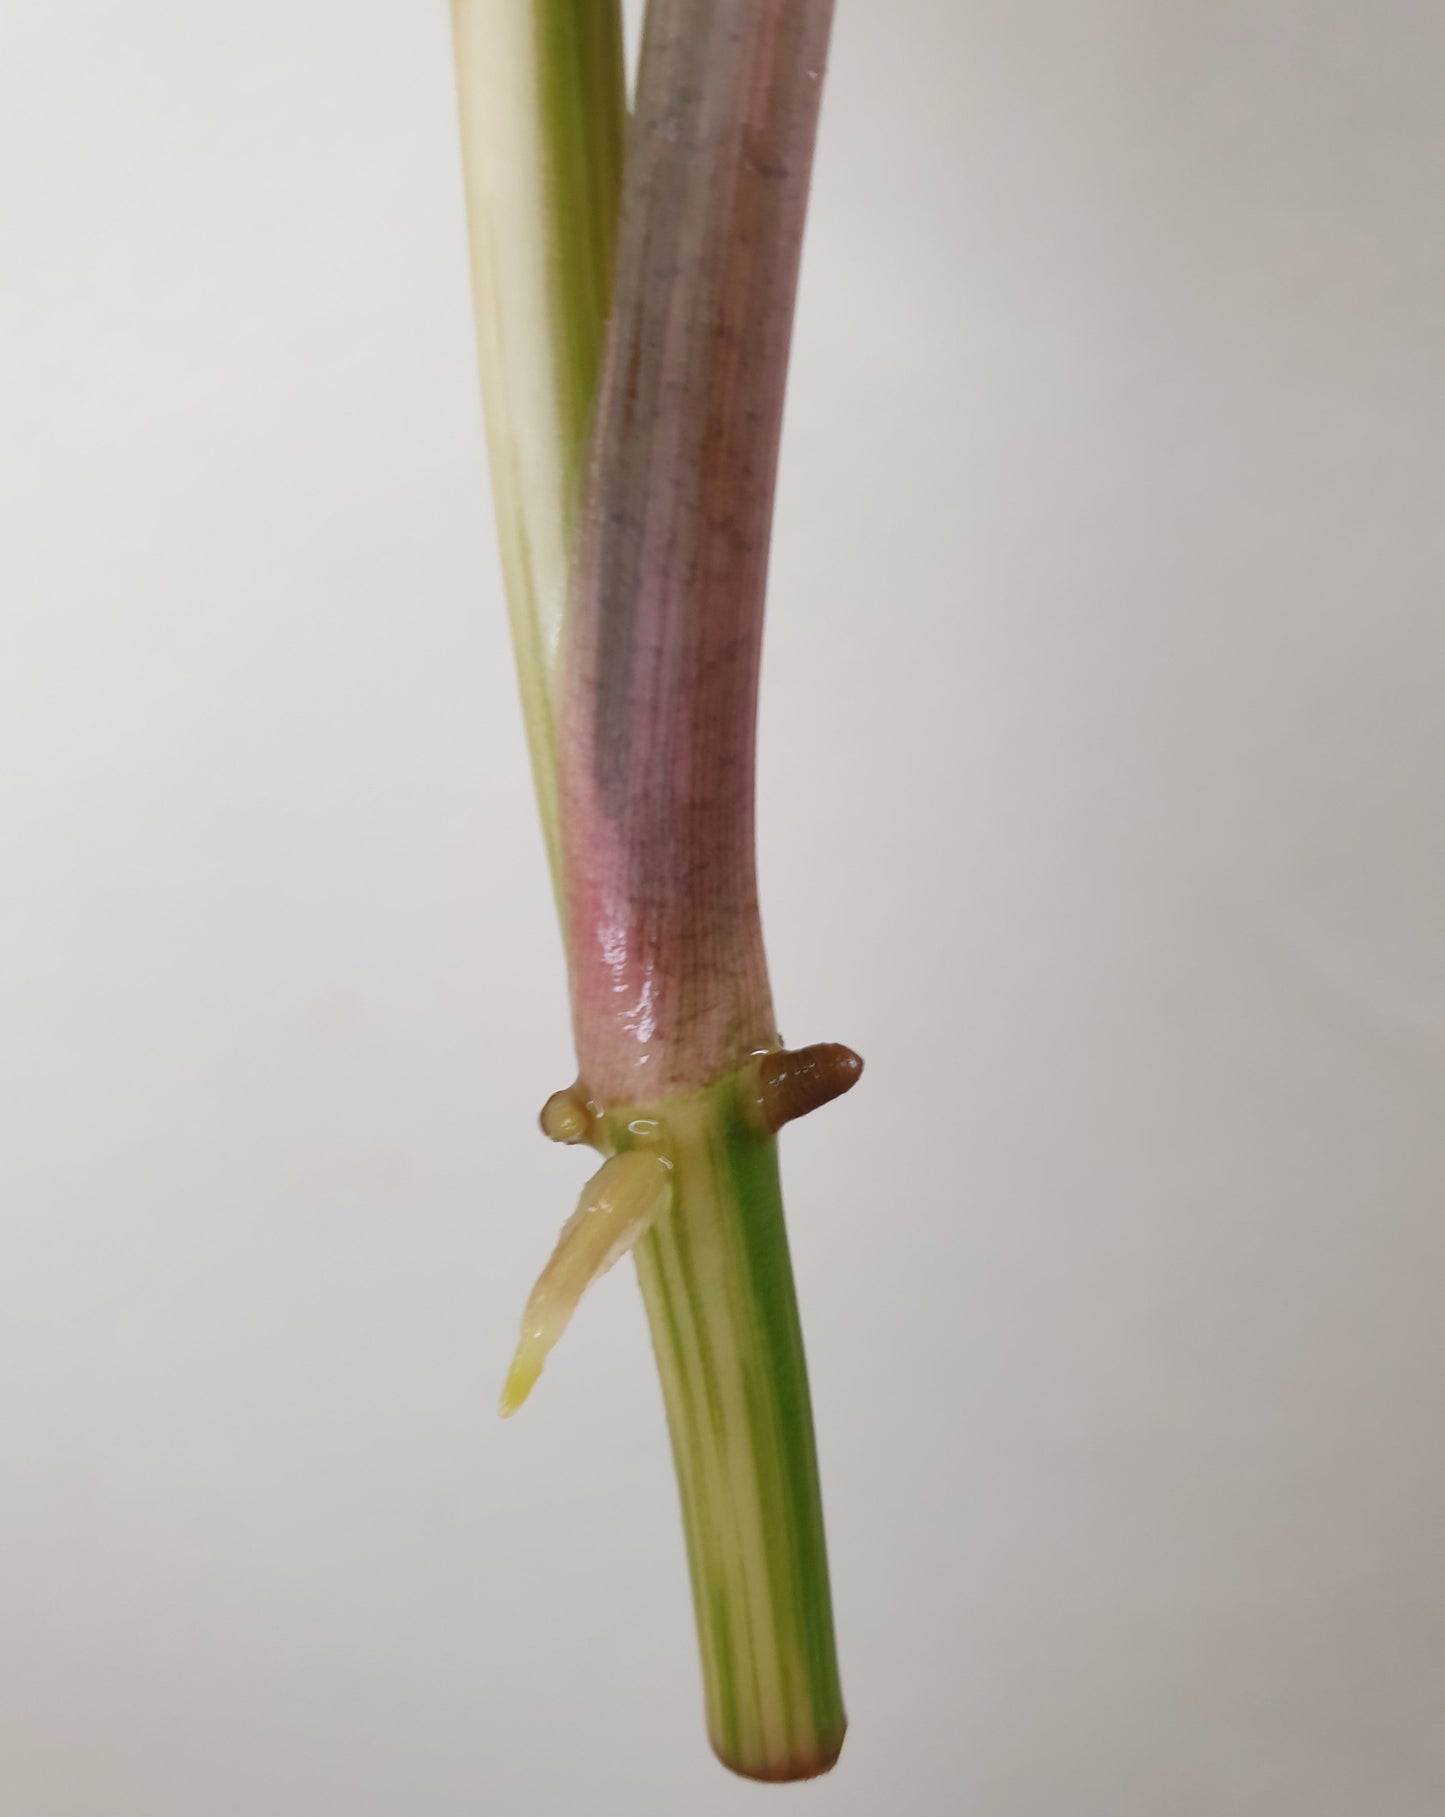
<point>791,1083</point>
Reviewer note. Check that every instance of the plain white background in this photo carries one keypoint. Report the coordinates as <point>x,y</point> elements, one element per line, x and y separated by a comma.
<point>1102,758</point>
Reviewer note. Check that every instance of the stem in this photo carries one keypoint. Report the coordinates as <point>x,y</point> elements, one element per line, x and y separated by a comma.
<point>717,1284</point>
<point>664,621</point>
<point>641,725</point>
<point>543,119</point>
<point>670,994</point>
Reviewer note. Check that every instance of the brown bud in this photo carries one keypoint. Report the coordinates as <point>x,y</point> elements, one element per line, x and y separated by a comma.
<point>790,1084</point>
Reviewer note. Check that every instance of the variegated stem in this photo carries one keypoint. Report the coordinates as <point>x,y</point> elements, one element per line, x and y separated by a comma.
<point>543,124</point>
<point>641,732</point>
<point>659,668</point>
<point>718,1287</point>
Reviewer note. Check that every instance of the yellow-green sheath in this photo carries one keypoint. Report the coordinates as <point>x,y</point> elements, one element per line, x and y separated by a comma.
<point>541,91</point>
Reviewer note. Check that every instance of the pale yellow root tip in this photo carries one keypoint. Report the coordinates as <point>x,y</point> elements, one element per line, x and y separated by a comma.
<point>521,1379</point>
<point>621,1200</point>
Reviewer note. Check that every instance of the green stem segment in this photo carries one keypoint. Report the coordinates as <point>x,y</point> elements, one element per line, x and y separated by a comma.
<point>718,1286</point>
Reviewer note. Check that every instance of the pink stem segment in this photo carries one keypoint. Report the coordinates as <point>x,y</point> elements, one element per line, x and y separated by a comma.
<point>660,649</point>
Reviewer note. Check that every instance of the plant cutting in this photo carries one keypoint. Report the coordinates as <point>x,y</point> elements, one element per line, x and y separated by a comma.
<point>634,283</point>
